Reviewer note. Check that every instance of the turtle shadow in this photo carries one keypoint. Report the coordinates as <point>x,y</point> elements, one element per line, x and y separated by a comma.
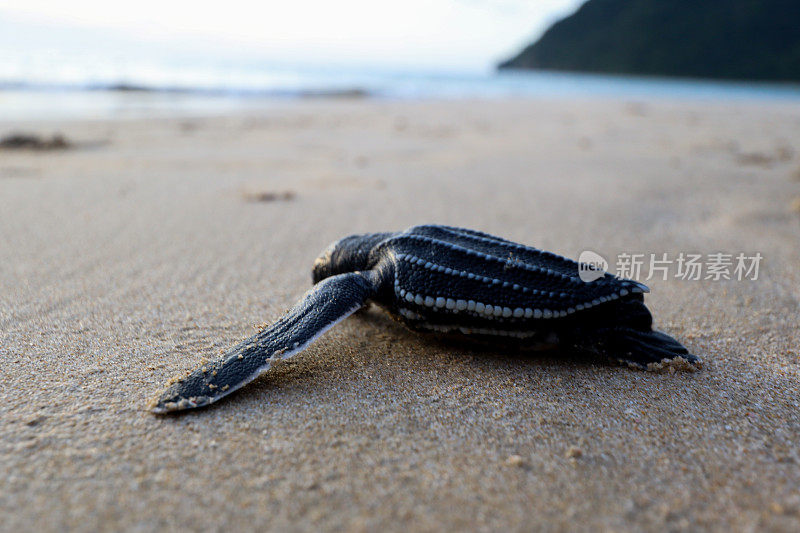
<point>486,351</point>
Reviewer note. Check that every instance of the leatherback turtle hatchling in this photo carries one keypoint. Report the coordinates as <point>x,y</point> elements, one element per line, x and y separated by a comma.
<point>446,280</point>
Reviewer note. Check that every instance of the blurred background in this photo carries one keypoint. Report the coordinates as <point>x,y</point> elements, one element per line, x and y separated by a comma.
<point>88,57</point>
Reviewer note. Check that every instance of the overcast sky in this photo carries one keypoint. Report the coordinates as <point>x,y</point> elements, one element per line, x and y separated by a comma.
<point>458,34</point>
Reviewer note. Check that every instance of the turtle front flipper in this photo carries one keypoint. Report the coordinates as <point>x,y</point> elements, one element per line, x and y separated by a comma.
<point>326,304</point>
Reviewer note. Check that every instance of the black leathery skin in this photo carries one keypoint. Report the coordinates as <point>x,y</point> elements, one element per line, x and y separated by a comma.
<point>456,276</point>
<point>520,276</point>
<point>322,306</point>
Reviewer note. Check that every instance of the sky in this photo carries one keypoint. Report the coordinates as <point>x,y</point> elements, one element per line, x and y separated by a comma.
<point>411,34</point>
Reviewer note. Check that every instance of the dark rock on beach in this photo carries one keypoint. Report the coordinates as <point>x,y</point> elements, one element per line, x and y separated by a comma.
<point>22,141</point>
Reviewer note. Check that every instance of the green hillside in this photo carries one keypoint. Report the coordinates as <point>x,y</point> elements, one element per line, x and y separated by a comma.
<point>737,39</point>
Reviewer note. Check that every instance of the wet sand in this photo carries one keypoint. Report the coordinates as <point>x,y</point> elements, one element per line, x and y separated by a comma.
<point>148,245</point>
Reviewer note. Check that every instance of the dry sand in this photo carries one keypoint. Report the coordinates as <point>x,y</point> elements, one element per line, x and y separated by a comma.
<point>126,259</point>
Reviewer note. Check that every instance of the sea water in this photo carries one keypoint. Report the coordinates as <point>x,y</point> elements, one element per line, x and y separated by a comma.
<point>91,86</point>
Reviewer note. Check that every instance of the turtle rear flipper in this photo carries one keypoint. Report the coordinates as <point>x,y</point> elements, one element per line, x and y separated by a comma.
<point>639,348</point>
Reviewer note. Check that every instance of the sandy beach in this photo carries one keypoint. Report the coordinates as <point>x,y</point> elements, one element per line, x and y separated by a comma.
<point>149,244</point>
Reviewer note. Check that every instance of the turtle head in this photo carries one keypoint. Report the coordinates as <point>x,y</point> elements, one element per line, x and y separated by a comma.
<point>350,254</point>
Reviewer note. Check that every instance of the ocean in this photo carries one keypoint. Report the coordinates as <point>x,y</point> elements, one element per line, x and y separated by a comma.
<point>54,87</point>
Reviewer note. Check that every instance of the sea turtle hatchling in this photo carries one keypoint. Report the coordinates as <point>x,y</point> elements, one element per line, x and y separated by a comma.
<point>446,280</point>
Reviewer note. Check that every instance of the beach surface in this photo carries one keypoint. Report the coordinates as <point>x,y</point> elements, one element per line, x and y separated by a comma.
<point>150,244</point>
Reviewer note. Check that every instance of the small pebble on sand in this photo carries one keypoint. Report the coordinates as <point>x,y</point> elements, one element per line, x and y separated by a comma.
<point>573,452</point>
<point>515,460</point>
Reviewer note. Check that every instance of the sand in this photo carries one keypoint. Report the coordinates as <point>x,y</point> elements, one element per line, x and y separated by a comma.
<point>153,243</point>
